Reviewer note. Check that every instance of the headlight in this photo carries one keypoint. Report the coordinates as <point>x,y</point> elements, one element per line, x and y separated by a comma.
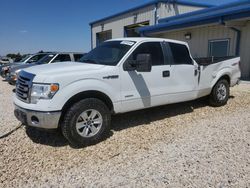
<point>14,74</point>
<point>17,71</point>
<point>43,91</point>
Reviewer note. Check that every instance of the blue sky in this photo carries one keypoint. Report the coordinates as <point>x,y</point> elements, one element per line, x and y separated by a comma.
<point>28,26</point>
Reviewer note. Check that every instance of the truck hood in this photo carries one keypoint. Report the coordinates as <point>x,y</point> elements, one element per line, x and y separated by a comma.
<point>62,68</point>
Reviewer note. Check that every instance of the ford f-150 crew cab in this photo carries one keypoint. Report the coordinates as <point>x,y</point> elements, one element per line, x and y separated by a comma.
<point>120,75</point>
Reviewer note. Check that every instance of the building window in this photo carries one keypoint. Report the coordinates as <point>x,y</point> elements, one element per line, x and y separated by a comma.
<point>132,30</point>
<point>219,48</point>
<point>103,36</point>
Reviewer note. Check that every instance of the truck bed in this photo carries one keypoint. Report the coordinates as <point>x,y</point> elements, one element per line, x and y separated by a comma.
<point>211,60</point>
<point>212,69</point>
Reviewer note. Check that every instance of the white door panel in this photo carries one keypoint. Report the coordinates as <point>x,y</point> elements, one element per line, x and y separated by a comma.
<point>184,81</point>
<point>139,89</point>
<point>184,78</point>
<point>143,90</point>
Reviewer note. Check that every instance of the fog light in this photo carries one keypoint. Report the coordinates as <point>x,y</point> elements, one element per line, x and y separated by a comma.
<point>34,120</point>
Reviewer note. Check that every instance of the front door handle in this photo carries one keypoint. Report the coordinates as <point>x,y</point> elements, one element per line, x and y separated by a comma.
<point>166,73</point>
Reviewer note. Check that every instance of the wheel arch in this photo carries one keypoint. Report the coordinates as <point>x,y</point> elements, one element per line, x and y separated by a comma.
<point>225,76</point>
<point>87,94</point>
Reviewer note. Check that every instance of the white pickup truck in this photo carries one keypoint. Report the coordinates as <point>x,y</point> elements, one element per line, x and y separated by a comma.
<point>120,75</point>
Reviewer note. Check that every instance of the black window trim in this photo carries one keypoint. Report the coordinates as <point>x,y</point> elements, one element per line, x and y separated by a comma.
<point>168,57</point>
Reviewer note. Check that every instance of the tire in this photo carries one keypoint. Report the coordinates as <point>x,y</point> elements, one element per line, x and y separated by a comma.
<point>220,93</point>
<point>87,122</point>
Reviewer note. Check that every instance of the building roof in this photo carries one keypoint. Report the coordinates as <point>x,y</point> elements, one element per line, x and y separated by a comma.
<point>218,14</point>
<point>153,2</point>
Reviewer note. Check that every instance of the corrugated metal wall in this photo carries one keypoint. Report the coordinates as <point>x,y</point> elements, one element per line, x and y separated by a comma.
<point>117,24</point>
<point>145,14</point>
<point>245,51</point>
<point>200,40</point>
<point>167,10</point>
<point>200,37</point>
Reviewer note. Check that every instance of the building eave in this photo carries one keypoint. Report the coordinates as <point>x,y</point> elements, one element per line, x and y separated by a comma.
<point>201,18</point>
<point>151,3</point>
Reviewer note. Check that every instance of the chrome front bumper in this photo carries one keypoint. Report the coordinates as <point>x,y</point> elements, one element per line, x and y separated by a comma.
<point>45,120</point>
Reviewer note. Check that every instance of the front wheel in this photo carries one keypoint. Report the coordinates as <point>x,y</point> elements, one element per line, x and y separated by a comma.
<point>86,122</point>
<point>220,93</point>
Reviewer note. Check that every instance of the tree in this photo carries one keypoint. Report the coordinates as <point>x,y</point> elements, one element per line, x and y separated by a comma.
<point>15,57</point>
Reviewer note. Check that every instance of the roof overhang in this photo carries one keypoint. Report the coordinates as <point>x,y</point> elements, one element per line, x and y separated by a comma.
<point>220,14</point>
<point>179,2</point>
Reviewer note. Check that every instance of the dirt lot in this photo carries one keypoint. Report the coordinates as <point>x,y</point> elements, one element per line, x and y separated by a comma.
<point>184,145</point>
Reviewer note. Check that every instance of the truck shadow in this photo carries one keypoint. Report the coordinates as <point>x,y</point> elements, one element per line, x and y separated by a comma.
<point>51,138</point>
<point>122,121</point>
<point>141,117</point>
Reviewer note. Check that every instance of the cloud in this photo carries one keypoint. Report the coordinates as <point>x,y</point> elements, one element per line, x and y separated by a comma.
<point>23,31</point>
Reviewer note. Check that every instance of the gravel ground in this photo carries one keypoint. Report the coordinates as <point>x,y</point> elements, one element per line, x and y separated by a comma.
<point>183,145</point>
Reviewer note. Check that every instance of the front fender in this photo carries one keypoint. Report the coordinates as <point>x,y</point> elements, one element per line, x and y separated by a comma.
<point>112,91</point>
<point>65,93</point>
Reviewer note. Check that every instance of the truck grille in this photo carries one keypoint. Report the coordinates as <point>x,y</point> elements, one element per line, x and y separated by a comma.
<point>23,86</point>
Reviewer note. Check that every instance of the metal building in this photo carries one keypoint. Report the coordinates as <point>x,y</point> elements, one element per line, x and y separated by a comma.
<point>217,31</point>
<point>209,30</point>
<point>126,23</point>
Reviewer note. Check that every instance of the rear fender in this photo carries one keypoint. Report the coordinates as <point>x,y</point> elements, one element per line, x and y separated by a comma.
<point>220,74</point>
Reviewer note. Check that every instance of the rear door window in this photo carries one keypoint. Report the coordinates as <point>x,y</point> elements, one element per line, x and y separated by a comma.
<point>180,54</point>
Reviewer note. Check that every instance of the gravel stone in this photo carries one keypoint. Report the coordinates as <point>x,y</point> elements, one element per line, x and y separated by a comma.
<point>182,145</point>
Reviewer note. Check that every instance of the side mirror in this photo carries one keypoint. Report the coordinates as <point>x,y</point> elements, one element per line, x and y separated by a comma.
<point>143,62</point>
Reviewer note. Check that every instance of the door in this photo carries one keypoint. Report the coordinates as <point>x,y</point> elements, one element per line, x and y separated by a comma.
<point>184,73</point>
<point>145,89</point>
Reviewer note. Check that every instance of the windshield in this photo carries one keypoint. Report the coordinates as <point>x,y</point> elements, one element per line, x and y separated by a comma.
<point>36,58</point>
<point>46,59</point>
<point>24,58</point>
<point>108,53</point>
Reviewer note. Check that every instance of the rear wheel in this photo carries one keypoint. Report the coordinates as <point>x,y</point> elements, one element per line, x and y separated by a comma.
<point>220,93</point>
<point>86,122</point>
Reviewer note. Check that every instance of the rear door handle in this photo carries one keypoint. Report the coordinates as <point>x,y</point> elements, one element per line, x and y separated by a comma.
<point>196,71</point>
<point>166,73</point>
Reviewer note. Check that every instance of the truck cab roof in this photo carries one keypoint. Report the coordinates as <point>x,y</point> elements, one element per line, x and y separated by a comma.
<point>147,39</point>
